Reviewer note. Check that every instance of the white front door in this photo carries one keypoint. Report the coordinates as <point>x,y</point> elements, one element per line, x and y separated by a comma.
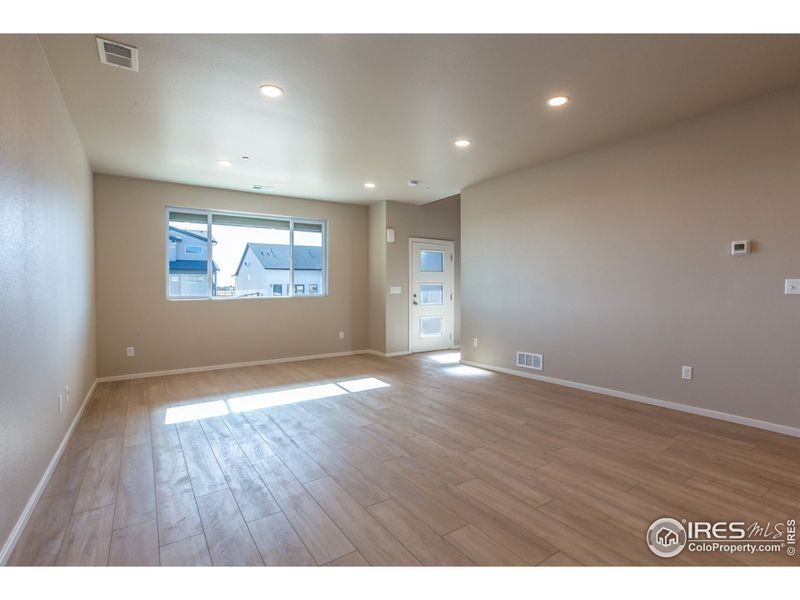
<point>431,296</point>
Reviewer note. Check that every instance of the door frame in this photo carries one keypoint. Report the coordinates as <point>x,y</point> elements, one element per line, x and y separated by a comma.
<point>411,241</point>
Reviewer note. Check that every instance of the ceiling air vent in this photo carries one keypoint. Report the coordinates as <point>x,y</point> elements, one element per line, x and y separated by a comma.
<point>529,360</point>
<point>118,55</point>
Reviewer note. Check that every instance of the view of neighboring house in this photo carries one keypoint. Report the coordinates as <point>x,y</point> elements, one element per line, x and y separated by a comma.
<point>264,270</point>
<point>188,263</point>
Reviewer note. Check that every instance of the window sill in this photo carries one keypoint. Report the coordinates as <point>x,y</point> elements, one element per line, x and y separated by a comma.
<point>227,298</point>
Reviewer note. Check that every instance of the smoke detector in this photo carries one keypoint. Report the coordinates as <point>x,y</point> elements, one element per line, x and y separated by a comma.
<point>119,55</point>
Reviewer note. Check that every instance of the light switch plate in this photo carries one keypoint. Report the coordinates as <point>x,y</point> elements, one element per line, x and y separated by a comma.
<point>792,286</point>
<point>395,289</point>
<point>740,248</point>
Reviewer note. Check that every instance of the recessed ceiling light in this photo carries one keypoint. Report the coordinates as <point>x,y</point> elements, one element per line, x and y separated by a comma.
<point>224,163</point>
<point>369,185</point>
<point>263,188</point>
<point>271,91</point>
<point>462,143</point>
<point>558,100</point>
<point>413,182</point>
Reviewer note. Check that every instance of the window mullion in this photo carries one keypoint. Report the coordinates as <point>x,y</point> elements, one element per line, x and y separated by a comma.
<point>209,256</point>
<point>291,257</point>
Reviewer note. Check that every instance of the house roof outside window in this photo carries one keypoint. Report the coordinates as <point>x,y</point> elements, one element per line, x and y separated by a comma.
<point>193,234</point>
<point>276,256</point>
<point>189,266</point>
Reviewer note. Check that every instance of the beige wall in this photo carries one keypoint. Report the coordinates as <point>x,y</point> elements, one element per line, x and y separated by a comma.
<point>615,264</point>
<point>46,272</point>
<point>437,220</point>
<point>377,276</point>
<point>132,308</point>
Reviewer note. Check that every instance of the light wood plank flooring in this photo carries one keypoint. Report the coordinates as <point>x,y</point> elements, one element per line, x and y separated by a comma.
<point>445,465</point>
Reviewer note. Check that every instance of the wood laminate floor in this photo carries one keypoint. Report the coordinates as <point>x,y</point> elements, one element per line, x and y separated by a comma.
<point>446,465</point>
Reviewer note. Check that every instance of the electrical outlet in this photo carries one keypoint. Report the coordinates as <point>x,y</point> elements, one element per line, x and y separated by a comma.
<point>130,351</point>
<point>475,342</point>
<point>686,372</point>
<point>341,335</point>
<point>60,402</point>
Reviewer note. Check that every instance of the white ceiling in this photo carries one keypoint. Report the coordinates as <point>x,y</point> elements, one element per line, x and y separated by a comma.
<point>387,108</point>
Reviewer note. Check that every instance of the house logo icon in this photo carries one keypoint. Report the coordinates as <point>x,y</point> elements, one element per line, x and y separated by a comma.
<point>666,537</point>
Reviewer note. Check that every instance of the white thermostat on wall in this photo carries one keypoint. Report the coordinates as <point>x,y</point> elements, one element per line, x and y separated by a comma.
<point>740,248</point>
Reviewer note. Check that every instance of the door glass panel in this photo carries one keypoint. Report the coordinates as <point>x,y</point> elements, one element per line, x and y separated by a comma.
<point>431,261</point>
<point>431,326</point>
<point>431,293</point>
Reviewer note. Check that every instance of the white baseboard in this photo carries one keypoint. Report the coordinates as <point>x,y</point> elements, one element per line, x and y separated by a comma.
<point>13,538</point>
<point>400,353</point>
<point>252,363</point>
<point>695,410</point>
<point>385,354</point>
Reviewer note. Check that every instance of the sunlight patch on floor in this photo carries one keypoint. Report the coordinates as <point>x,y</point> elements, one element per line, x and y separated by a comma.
<point>451,358</point>
<point>248,402</point>
<point>194,412</point>
<point>362,385</point>
<point>466,371</point>
<point>290,396</point>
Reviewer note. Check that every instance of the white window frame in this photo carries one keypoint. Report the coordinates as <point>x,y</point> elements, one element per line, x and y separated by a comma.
<point>209,268</point>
